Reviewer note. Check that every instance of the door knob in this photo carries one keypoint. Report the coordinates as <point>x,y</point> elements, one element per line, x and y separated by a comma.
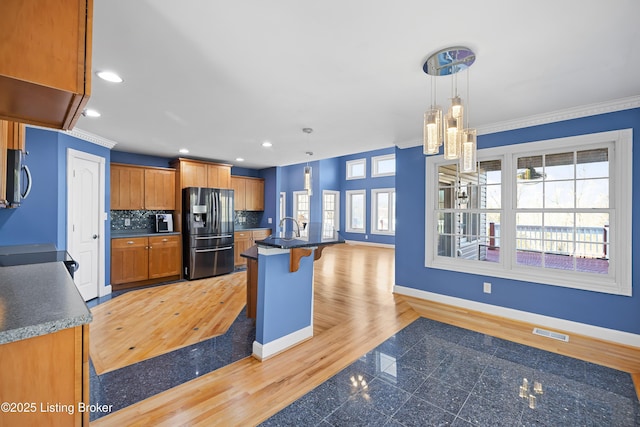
<point>95,236</point>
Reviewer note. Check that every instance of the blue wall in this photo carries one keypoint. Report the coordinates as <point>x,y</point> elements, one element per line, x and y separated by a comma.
<point>139,159</point>
<point>42,217</point>
<point>593,308</point>
<point>367,184</point>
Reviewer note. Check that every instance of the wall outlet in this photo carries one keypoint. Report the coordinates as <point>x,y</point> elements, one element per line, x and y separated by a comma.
<point>366,237</point>
<point>270,221</point>
<point>127,222</point>
<point>486,287</point>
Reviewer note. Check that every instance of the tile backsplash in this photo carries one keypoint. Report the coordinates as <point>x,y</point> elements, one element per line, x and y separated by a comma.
<point>139,220</point>
<point>247,219</point>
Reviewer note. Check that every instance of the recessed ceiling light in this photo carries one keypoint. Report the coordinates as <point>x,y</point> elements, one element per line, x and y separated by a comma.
<point>90,113</point>
<point>267,144</point>
<point>239,159</point>
<point>183,151</point>
<point>109,76</point>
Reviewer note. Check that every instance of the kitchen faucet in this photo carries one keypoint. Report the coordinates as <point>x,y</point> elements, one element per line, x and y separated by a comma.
<point>294,221</point>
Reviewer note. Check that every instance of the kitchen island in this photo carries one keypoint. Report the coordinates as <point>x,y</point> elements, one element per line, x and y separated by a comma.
<point>44,357</point>
<point>284,303</point>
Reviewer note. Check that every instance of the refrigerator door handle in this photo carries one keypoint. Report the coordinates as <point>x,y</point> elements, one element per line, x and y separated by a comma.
<point>214,237</point>
<point>213,250</point>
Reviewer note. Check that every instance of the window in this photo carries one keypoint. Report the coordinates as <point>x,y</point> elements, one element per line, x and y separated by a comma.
<point>357,169</point>
<point>383,165</point>
<point>301,211</point>
<point>356,214</point>
<point>383,211</point>
<point>555,212</point>
<point>330,213</point>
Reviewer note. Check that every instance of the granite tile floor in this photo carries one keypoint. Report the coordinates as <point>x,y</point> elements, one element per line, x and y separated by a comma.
<point>434,374</point>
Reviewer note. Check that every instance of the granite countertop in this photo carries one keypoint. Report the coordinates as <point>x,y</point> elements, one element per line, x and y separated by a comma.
<point>237,228</point>
<point>315,237</point>
<point>38,299</point>
<point>117,234</point>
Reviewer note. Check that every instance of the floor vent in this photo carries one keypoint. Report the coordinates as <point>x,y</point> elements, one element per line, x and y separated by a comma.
<point>550,334</point>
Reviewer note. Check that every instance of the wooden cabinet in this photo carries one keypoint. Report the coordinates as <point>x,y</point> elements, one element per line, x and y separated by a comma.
<point>12,136</point>
<point>45,61</point>
<point>218,176</point>
<point>244,239</point>
<point>248,193</point>
<point>140,187</point>
<point>46,370</point>
<point>144,259</point>
<point>127,187</point>
<point>129,260</point>
<point>159,189</point>
<point>164,256</point>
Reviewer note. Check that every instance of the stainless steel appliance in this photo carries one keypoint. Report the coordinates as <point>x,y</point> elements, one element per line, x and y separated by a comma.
<point>164,223</point>
<point>207,232</point>
<point>17,189</point>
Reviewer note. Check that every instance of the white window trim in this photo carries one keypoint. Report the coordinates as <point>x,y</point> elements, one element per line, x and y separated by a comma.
<point>304,232</point>
<point>374,211</point>
<point>374,165</point>
<point>347,215</point>
<point>618,281</point>
<point>355,162</point>
<point>336,218</point>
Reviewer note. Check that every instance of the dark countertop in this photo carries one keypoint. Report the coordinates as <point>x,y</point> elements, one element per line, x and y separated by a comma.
<point>290,241</point>
<point>251,253</point>
<point>118,234</point>
<point>38,299</point>
<point>250,228</point>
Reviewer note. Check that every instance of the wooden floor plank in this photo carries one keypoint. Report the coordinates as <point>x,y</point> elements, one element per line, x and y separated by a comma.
<point>149,322</point>
<point>354,311</point>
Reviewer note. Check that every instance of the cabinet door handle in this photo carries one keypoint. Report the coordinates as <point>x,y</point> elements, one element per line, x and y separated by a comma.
<point>165,240</point>
<point>130,242</point>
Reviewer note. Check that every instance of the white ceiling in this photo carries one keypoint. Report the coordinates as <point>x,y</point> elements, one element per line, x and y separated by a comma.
<point>220,77</point>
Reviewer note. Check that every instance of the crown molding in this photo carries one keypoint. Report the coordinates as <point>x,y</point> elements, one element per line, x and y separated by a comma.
<point>562,115</point>
<point>81,134</point>
<point>90,137</point>
<point>551,117</point>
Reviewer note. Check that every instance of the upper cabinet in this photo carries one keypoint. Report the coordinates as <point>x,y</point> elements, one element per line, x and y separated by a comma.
<point>45,61</point>
<point>196,173</point>
<point>138,187</point>
<point>248,193</point>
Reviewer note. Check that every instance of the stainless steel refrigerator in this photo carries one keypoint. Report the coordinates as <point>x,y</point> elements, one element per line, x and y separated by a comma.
<point>207,232</point>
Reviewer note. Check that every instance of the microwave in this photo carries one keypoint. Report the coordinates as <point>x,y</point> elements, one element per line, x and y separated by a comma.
<point>164,223</point>
<point>18,178</point>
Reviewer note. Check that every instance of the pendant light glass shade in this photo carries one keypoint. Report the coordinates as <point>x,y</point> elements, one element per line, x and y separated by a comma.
<point>457,109</point>
<point>468,159</point>
<point>451,138</point>
<point>307,179</point>
<point>432,130</point>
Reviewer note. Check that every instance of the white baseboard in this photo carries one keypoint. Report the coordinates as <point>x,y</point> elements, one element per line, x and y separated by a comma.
<point>380,245</point>
<point>598,332</point>
<point>104,290</point>
<point>264,351</point>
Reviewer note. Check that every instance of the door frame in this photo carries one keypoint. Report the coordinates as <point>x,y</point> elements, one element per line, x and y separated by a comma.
<point>75,154</point>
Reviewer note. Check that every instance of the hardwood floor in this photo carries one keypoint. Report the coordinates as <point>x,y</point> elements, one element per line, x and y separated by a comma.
<point>149,322</point>
<point>354,311</point>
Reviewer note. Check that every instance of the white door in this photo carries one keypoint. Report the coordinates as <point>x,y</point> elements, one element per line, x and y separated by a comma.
<point>85,228</point>
<point>301,211</point>
<point>330,212</point>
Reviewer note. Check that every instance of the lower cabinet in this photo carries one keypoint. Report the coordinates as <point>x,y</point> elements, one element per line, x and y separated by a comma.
<point>45,379</point>
<point>244,239</point>
<point>141,259</point>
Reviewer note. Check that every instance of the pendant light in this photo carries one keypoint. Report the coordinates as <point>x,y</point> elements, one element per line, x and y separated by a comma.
<point>459,142</point>
<point>307,168</point>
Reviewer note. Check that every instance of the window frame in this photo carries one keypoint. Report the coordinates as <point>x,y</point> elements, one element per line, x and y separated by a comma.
<point>374,211</point>
<point>304,231</point>
<point>374,165</point>
<point>351,163</point>
<point>335,210</point>
<point>349,214</point>
<point>618,281</point>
